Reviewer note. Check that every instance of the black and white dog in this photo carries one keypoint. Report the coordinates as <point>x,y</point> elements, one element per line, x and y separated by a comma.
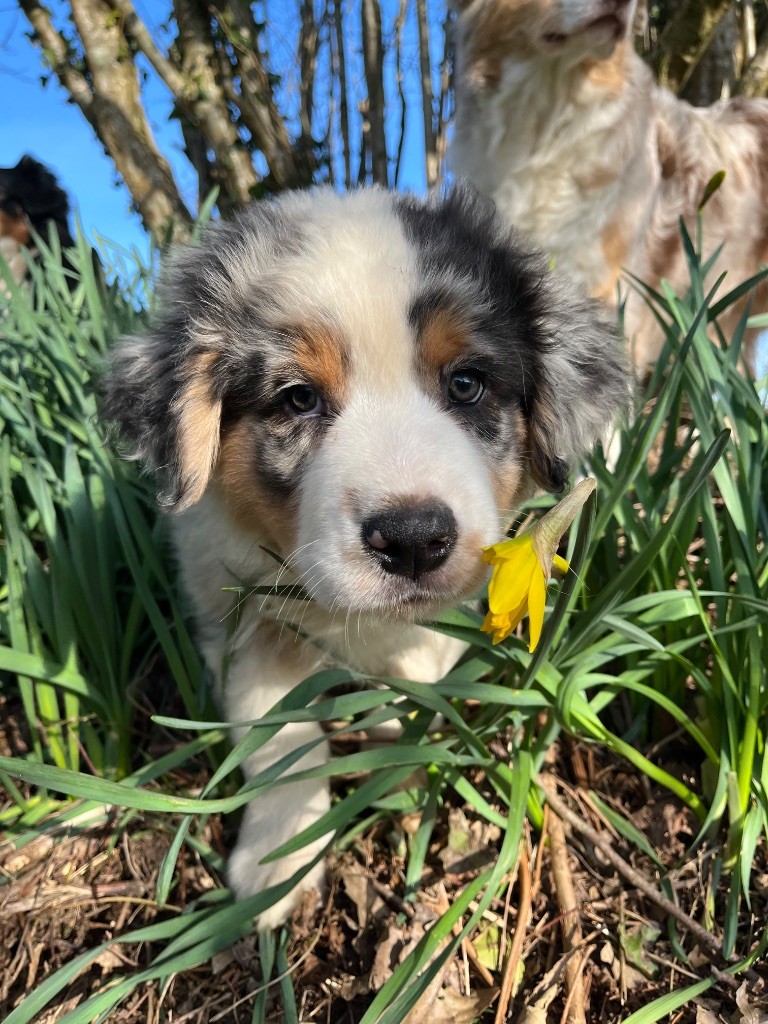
<point>30,201</point>
<point>366,384</point>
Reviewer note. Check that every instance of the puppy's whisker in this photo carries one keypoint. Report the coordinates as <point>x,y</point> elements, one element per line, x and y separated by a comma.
<point>310,594</point>
<point>287,566</point>
<point>300,582</point>
<point>289,561</point>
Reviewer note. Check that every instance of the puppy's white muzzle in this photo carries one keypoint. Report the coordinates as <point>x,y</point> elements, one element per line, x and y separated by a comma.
<point>394,508</point>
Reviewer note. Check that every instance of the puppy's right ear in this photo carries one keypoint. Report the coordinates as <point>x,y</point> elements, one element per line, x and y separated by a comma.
<point>159,391</point>
<point>165,391</point>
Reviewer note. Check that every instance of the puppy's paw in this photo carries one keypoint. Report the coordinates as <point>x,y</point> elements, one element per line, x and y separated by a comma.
<point>248,877</point>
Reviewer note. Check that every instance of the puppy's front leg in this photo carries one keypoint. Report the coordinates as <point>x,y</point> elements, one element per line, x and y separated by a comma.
<point>260,674</point>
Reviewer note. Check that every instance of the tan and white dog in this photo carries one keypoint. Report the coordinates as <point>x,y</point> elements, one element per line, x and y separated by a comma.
<point>366,385</point>
<point>559,121</point>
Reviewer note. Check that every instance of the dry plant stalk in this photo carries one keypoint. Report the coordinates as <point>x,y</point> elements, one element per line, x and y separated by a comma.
<point>516,949</point>
<point>570,911</point>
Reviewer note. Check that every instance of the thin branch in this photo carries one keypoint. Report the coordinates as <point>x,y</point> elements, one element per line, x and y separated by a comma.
<point>57,53</point>
<point>340,61</point>
<point>685,39</point>
<point>748,36</point>
<point>399,25</point>
<point>705,938</point>
<point>427,97</point>
<point>373,59</point>
<point>307,59</point>
<point>136,30</point>
<point>254,99</point>
<point>445,111</point>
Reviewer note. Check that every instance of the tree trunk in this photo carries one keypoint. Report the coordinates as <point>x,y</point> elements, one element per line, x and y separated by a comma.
<point>754,78</point>
<point>341,73</point>
<point>110,99</point>
<point>685,39</point>
<point>715,74</point>
<point>205,102</point>
<point>373,114</point>
<point>427,98</point>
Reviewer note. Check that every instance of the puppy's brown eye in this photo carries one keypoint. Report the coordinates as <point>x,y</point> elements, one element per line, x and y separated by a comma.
<point>304,400</point>
<point>465,387</point>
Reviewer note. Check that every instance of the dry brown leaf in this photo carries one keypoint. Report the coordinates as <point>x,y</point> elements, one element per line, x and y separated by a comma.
<point>31,853</point>
<point>537,1012</point>
<point>707,1016</point>
<point>368,903</point>
<point>451,1007</point>
<point>385,959</point>
<point>533,1015</point>
<point>468,844</point>
<point>750,1014</point>
<point>109,961</point>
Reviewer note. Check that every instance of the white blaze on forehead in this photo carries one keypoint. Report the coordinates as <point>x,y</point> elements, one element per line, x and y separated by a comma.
<point>357,267</point>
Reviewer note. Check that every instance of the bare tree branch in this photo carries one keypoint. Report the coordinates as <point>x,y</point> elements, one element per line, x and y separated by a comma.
<point>373,58</point>
<point>307,54</point>
<point>136,30</point>
<point>427,98</point>
<point>685,39</point>
<point>341,73</point>
<point>255,102</point>
<point>57,54</point>
<point>111,102</point>
<point>445,105</point>
<point>748,37</point>
<point>754,78</point>
<point>208,104</point>
<point>399,26</point>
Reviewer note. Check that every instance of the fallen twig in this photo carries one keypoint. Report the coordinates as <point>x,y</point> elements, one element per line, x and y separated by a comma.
<point>570,919</point>
<point>702,936</point>
<point>516,949</point>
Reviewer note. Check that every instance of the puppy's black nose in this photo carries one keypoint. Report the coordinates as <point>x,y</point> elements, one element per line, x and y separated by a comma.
<point>412,539</point>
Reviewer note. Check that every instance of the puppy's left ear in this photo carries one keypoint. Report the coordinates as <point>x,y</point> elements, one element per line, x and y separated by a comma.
<point>581,387</point>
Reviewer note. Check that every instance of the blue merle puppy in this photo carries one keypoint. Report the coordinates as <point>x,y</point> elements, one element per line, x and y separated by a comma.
<point>366,384</point>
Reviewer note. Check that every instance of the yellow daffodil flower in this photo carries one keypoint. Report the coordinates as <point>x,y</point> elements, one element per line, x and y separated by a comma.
<point>523,565</point>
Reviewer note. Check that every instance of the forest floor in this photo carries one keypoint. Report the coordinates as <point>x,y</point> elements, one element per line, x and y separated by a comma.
<point>580,933</point>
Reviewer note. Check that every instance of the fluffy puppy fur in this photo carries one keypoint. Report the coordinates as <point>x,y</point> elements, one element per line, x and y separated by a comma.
<point>30,201</point>
<point>559,120</point>
<point>365,384</point>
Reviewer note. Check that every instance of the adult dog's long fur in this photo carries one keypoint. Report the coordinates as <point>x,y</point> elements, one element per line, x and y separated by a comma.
<point>366,385</point>
<point>559,120</point>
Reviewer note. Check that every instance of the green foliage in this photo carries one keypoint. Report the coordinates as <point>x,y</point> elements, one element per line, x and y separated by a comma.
<point>665,611</point>
<point>86,601</point>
